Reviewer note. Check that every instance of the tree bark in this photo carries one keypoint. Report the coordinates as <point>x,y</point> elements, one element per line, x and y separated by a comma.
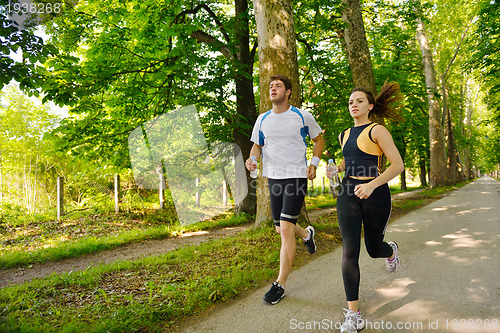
<point>469,174</point>
<point>423,172</point>
<point>436,136</point>
<point>358,53</point>
<point>277,55</point>
<point>245,99</point>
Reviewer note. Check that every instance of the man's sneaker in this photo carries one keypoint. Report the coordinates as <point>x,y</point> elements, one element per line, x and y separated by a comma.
<point>275,294</point>
<point>393,264</point>
<point>353,322</point>
<point>310,243</point>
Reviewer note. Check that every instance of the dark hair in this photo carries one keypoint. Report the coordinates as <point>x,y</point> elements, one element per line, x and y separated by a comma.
<point>286,81</point>
<point>387,104</point>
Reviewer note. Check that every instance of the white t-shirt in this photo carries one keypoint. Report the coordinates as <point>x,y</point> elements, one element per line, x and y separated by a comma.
<point>282,136</point>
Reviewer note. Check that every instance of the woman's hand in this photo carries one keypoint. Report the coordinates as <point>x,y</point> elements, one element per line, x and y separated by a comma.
<point>363,191</point>
<point>331,171</point>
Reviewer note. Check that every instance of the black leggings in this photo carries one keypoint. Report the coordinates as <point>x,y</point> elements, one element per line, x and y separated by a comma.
<point>374,214</point>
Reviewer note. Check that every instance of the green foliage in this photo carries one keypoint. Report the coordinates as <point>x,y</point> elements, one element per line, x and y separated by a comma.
<point>390,30</point>
<point>26,170</point>
<point>123,63</point>
<point>325,74</point>
<point>485,59</point>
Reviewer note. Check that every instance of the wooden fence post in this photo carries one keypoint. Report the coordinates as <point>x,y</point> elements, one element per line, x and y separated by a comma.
<point>117,194</point>
<point>60,197</point>
<point>161,190</point>
<point>197,197</point>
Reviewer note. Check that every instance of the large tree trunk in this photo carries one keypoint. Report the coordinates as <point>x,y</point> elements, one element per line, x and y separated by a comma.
<point>436,136</point>
<point>451,161</point>
<point>245,99</point>
<point>277,55</point>
<point>357,50</point>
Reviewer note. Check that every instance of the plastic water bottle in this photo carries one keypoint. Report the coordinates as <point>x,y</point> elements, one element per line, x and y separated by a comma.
<point>334,180</point>
<point>254,173</point>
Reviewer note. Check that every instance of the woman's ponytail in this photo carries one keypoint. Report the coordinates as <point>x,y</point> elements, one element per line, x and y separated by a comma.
<point>387,104</point>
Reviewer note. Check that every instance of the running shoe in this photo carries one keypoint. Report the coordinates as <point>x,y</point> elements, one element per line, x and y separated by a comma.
<point>353,322</point>
<point>310,243</point>
<point>393,264</point>
<point>275,294</point>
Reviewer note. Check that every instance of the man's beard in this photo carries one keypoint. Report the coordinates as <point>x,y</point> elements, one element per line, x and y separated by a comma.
<point>278,100</point>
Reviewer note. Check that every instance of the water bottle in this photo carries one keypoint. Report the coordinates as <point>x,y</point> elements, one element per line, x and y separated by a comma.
<point>334,180</point>
<point>254,173</point>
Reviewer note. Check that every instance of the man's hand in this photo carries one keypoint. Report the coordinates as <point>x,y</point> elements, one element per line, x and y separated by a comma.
<point>250,165</point>
<point>311,172</point>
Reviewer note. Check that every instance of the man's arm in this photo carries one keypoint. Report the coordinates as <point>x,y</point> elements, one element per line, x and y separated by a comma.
<point>317,151</point>
<point>255,151</point>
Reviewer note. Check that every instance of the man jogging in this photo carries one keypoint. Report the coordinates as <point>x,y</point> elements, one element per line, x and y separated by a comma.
<point>279,137</point>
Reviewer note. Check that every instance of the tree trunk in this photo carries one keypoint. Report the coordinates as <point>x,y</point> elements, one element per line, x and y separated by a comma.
<point>277,55</point>
<point>452,157</point>
<point>423,172</point>
<point>245,99</point>
<point>357,50</point>
<point>436,136</point>
<point>402,178</point>
<point>451,163</point>
<point>469,174</point>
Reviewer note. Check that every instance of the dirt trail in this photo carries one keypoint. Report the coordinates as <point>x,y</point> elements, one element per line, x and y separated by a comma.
<point>133,251</point>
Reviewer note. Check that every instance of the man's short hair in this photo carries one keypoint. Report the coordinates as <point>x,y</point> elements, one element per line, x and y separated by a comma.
<point>286,81</point>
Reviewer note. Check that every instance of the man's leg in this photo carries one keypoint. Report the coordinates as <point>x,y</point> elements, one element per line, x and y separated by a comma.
<point>287,251</point>
<point>301,232</point>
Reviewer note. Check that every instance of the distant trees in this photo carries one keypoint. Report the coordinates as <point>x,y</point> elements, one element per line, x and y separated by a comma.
<point>26,171</point>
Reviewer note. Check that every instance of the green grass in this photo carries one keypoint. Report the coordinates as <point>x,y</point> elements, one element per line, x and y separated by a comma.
<point>150,294</point>
<point>320,201</point>
<point>69,238</point>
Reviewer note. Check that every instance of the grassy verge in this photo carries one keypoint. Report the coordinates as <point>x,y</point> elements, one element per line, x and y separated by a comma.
<point>155,294</point>
<point>68,238</point>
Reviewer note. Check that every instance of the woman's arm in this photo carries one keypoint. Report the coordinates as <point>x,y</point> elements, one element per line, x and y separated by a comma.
<point>383,138</point>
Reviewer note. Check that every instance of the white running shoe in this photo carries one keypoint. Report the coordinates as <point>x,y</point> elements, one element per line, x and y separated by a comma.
<point>353,322</point>
<point>393,264</point>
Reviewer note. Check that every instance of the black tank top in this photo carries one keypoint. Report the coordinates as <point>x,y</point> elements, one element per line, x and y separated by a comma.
<point>363,157</point>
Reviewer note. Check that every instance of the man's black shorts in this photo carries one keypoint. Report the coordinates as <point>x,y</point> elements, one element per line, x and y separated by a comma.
<point>287,197</point>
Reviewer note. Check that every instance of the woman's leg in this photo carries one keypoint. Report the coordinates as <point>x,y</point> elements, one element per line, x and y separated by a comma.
<point>376,212</point>
<point>350,217</point>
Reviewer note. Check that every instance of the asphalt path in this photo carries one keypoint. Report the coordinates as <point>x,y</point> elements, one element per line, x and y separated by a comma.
<point>449,280</point>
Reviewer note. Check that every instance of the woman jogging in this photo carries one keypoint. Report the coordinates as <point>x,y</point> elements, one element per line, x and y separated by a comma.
<point>364,197</point>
